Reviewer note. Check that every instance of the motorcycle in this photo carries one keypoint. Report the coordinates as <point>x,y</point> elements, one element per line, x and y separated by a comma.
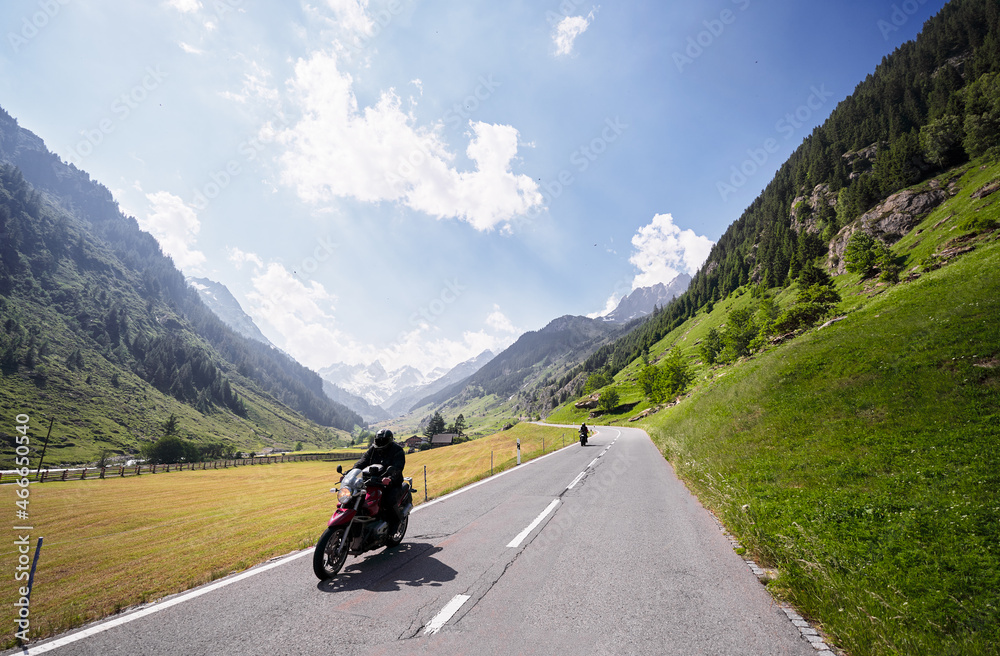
<point>356,527</point>
<point>583,438</point>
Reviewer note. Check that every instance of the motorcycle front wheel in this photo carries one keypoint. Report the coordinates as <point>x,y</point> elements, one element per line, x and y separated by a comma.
<point>326,562</point>
<point>397,537</point>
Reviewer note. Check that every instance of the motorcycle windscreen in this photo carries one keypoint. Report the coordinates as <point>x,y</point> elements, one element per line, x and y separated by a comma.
<point>352,479</point>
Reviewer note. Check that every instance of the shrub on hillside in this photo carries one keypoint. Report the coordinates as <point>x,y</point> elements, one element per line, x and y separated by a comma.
<point>666,380</point>
<point>710,346</point>
<point>609,399</point>
<point>813,303</point>
<point>866,255</point>
<point>741,329</point>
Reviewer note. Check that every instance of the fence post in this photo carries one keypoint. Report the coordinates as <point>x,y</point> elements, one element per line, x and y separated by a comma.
<point>83,476</point>
<point>102,472</point>
<point>425,482</point>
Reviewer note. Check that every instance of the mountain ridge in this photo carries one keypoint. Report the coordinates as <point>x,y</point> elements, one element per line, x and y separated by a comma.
<point>131,318</point>
<point>221,301</point>
<point>643,301</point>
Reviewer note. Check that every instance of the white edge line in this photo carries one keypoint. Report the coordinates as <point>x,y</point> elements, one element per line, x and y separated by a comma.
<point>593,462</point>
<point>576,480</point>
<point>155,607</point>
<point>445,614</point>
<point>516,542</point>
<point>428,504</point>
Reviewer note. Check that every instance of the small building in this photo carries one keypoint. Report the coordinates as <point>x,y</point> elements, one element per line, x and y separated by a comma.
<point>443,439</point>
<point>414,442</point>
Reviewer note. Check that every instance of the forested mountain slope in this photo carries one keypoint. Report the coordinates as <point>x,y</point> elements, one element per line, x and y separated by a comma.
<point>88,299</point>
<point>931,105</point>
<point>530,363</point>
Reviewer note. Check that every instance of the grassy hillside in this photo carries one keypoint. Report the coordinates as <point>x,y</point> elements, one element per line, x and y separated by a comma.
<point>94,337</point>
<point>861,460</point>
<point>99,405</point>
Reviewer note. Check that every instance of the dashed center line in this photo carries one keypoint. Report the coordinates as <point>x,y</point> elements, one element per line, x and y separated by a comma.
<point>446,614</point>
<point>516,542</point>
<point>576,480</point>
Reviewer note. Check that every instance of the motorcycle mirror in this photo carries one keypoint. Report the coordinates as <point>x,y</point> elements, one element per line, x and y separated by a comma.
<point>340,470</point>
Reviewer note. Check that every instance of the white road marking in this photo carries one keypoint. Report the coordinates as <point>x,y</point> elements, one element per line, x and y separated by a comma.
<point>577,479</point>
<point>445,614</point>
<point>155,608</point>
<point>484,481</point>
<point>516,542</point>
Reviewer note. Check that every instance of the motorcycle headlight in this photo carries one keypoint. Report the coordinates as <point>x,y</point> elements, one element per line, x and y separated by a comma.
<point>343,494</point>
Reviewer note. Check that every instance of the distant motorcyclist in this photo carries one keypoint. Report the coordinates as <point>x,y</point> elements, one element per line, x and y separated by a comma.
<point>384,451</point>
<point>584,433</point>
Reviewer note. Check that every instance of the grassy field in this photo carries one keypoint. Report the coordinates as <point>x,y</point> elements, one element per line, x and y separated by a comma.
<point>116,543</point>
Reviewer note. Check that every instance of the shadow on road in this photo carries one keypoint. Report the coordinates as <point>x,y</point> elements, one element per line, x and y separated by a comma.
<point>411,564</point>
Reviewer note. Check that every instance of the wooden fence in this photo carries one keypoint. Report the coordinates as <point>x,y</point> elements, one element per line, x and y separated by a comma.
<point>118,471</point>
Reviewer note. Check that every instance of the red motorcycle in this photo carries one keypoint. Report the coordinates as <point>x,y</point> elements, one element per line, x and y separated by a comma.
<point>356,526</point>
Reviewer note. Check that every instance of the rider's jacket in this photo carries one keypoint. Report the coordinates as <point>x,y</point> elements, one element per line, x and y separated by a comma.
<point>392,455</point>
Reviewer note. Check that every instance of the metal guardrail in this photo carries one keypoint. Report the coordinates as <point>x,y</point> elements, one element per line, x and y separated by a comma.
<point>120,471</point>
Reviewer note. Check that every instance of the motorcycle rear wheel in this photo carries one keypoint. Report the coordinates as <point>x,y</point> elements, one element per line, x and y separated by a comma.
<point>326,562</point>
<point>397,537</point>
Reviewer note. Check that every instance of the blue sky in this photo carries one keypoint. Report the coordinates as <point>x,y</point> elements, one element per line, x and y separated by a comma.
<point>415,181</point>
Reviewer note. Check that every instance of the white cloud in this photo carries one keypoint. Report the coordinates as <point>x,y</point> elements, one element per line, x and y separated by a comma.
<point>303,315</point>
<point>418,348</point>
<point>190,49</point>
<point>255,88</point>
<point>352,15</point>
<point>662,251</point>
<point>185,6</point>
<point>609,306</point>
<point>499,322</point>
<point>378,153</point>
<point>175,226</point>
<point>239,258</point>
<point>568,29</point>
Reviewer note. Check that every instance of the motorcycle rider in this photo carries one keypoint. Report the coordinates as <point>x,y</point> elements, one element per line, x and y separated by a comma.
<point>384,451</point>
<point>584,431</point>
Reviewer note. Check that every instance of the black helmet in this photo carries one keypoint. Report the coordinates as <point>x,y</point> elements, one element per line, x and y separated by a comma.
<point>383,438</point>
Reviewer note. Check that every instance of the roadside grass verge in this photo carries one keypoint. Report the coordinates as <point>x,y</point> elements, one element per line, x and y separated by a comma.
<point>863,462</point>
<point>115,543</point>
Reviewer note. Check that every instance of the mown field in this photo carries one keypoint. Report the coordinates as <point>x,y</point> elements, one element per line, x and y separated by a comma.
<point>111,544</point>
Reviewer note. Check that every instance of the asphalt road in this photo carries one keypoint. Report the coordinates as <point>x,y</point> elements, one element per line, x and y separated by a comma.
<point>620,559</point>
